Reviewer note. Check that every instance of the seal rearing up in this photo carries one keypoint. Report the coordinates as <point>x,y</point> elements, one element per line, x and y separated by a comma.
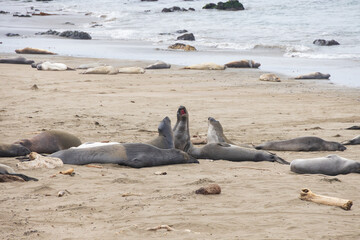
<point>165,139</point>
<point>216,150</point>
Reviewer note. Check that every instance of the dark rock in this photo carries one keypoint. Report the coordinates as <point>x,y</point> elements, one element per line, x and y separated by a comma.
<point>187,37</point>
<point>48,32</point>
<point>21,15</point>
<point>69,23</point>
<point>75,35</point>
<point>176,9</point>
<point>231,5</point>
<point>323,42</point>
<point>12,35</point>
<point>182,31</point>
<point>3,12</point>
<point>149,0</point>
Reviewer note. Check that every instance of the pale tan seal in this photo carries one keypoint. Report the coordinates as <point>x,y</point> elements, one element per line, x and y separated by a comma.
<point>101,70</point>
<point>269,77</point>
<point>49,66</point>
<point>315,75</point>
<point>206,66</point>
<point>29,50</point>
<point>131,70</point>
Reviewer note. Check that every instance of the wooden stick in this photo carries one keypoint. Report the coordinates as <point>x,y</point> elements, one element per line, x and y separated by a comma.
<point>307,195</point>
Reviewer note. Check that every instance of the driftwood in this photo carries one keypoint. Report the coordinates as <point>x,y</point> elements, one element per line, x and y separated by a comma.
<point>166,227</point>
<point>307,195</point>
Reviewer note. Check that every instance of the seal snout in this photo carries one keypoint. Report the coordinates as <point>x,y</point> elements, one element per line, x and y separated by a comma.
<point>182,111</point>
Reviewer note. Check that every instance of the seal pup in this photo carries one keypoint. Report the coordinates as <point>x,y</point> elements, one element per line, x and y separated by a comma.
<point>315,75</point>
<point>206,66</point>
<point>330,165</point>
<point>354,141</point>
<point>131,70</point>
<point>158,65</point>
<point>101,70</point>
<point>29,50</point>
<point>49,66</point>
<point>243,64</point>
<point>305,144</point>
<point>165,139</point>
<point>46,142</point>
<point>216,151</point>
<point>6,170</point>
<point>16,60</point>
<point>269,77</point>
<point>136,155</point>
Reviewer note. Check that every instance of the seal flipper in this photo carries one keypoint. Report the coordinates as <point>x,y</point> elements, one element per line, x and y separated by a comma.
<point>280,160</point>
<point>26,178</point>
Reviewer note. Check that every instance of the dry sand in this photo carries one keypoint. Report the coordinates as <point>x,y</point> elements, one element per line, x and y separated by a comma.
<point>258,200</point>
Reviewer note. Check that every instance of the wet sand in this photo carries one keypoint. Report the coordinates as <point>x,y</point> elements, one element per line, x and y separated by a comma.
<point>258,200</point>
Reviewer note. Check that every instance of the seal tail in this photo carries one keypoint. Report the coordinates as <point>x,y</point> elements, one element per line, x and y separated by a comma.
<point>26,178</point>
<point>280,160</point>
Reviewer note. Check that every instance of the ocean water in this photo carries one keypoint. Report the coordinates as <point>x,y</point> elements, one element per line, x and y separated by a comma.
<point>280,31</point>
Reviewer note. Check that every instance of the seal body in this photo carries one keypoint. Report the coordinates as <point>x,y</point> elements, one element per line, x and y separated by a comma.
<point>269,77</point>
<point>243,64</point>
<point>165,139</point>
<point>354,141</point>
<point>101,70</point>
<point>135,155</point>
<point>13,150</point>
<point>48,66</point>
<point>331,165</point>
<point>305,144</point>
<point>131,70</point>
<point>50,141</point>
<point>29,50</point>
<point>158,65</point>
<point>218,150</point>
<point>215,132</point>
<point>315,75</point>
<point>206,66</point>
<point>90,65</point>
<point>16,60</point>
<point>6,170</point>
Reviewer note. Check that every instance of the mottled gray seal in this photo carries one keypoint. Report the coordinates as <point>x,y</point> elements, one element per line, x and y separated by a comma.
<point>136,155</point>
<point>315,75</point>
<point>243,64</point>
<point>330,165</point>
<point>216,151</point>
<point>6,170</point>
<point>16,60</point>
<point>305,144</point>
<point>165,139</point>
<point>354,141</point>
<point>158,65</point>
<point>46,142</point>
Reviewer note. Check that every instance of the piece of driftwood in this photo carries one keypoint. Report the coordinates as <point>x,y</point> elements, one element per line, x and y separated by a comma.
<point>166,227</point>
<point>307,195</point>
<point>210,189</point>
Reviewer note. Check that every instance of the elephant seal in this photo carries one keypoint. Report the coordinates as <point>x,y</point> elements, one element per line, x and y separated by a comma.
<point>90,65</point>
<point>101,70</point>
<point>136,155</point>
<point>49,66</point>
<point>182,46</point>
<point>315,75</point>
<point>305,144</point>
<point>216,151</point>
<point>331,165</point>
<point>131,70</point>
<point>215,132</point>
<point>206,66</point>
<point>354,141</point>
<point>269,77</point>
<point>158,65</point>
<point>46,142</point>
<point>243,64</point>
<point>16,60</point>
<point>6,170</point>
<point>29,50</point>
<point>165,139</point>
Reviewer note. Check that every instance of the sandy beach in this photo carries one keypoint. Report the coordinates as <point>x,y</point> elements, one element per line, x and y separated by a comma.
<point>258,200</point>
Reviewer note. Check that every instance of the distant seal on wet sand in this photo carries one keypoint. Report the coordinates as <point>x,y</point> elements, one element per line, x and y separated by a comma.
<point>216,151</point>
<point>16,60</point>
<point>49,66</point>
<point>315,75</point>
<point>206,66</point>
<point>243,64</point>
<point>131,70</point>
<point>269,77</point>
<point>34,51</point>
<point>354,141</point>
<point>90,65</point>
<point>331,165</point>
<point>6,170</point>
<point>302,144</point>
<point>46,142</point>
<point>136,155</point>
<point>165,139</point>
<point>158,65</point>
<point>101,70</point>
